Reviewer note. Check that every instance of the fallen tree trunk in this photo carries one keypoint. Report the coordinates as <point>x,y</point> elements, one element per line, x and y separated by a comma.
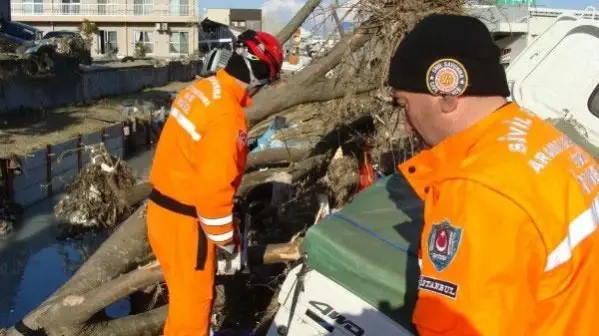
<point>98,283</point>
<point>141,191</point>
<point>135,195</point>
<point>113,269</point>
<point>125,250</point>
<point>290,92</point>
<point>276,155</point>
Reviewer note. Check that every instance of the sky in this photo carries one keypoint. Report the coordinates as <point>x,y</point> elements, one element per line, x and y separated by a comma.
<point>278,12</point>
<point>284,9</point>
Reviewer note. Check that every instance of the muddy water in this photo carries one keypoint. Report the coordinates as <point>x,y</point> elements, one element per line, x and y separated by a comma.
<point>33,263</point>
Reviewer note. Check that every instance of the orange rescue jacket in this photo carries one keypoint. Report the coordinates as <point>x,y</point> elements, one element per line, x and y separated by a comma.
<point>510,243</point>
<point>202,152</point>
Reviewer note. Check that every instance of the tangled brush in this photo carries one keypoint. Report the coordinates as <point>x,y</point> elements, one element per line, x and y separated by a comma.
<point>362,74</point>
<point>92,200</point>
<point>342,178</point>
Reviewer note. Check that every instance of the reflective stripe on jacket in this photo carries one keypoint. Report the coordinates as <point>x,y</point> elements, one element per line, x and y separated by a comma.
<point>510,242</point>
<point>201,155</point>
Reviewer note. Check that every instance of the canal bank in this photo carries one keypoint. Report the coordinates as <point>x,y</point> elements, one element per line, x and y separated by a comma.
<point>34,263</point>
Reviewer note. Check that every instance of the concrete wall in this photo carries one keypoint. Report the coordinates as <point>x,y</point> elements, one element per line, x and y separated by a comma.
<point>47,172</point>
<point>91,84</point>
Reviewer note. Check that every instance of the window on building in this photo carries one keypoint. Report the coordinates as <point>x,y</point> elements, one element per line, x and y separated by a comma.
<point>142,7</point>
<point>71,7</point>
<point>241,24</point>
<point>144,38</point>
<point>107,42</point>
<point>102,7</point>
<point>254,25</point>
<point>179,7</point>
<point>111,44</point>
<point>179,43</point>
<point>35,7</point>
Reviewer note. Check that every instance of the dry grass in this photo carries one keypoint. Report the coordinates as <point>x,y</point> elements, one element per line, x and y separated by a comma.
<point>22,132</point>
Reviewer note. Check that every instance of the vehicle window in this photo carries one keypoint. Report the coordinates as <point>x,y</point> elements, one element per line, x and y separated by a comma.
<point>593,102</point>
<point>19,31</point>
<point>50,35</point>
<point>58,34</point>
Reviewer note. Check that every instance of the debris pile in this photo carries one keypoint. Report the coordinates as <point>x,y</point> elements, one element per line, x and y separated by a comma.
<point>342,178</point>
<point>9,215</point>
<point>335,102</point>
<point>139,111</point>
<point>94,199</point>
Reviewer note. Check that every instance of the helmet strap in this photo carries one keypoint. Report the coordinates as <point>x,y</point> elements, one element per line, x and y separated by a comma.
<point>254,82</point>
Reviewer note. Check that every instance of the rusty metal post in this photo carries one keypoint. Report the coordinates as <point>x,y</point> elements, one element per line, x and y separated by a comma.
<point>104,135</point>
<point>148,127</point>
<point>126,131</point>
<point>8,177</point>
<point>49,170</point>
<point>79,152</point>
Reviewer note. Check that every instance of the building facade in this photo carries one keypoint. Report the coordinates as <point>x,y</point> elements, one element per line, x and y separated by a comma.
<point>167,28</point>
<point>241,19</point>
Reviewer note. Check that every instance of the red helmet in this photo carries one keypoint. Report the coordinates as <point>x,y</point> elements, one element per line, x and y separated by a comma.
<point>263,47</point>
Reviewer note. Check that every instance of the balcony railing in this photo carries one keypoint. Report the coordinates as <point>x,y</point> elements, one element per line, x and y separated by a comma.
<point>53,9</point>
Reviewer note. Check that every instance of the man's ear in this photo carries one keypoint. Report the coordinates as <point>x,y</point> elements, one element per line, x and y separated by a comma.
<point>449,103</point>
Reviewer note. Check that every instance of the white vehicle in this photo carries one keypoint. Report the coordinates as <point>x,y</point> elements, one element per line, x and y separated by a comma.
<point>360,275</point>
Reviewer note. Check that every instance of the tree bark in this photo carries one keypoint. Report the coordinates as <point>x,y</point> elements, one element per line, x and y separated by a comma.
<point>98,282</point>
<point>270,156</point>
<point>126,248</point>
<point>338,22</point>
<point>299,19</point>
<point>276,155</point>
<point>101,297</point>
<point>148,323</point>
<point>295,89</point>
<point>137,194</point>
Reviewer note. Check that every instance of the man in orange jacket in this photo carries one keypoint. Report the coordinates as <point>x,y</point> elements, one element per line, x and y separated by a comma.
<point>197,168</point>
<point>510,244</point>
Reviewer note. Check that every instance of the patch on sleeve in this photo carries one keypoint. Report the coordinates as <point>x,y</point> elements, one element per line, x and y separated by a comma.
<point>443,243</point>
<point>444,288</point>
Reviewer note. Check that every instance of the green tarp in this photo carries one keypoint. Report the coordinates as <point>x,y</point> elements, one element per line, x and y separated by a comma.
<point>370,247</point>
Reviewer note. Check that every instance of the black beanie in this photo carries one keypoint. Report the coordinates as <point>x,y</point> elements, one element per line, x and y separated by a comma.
<point>449,55</point>
<point>237,68</point>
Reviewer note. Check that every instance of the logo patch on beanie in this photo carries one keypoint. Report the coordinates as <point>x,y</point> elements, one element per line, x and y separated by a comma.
<point>447,77</point>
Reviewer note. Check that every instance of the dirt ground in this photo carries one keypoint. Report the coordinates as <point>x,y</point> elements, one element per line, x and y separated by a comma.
<point>24,131</point>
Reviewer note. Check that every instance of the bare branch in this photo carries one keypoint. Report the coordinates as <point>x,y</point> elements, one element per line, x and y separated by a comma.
<point>148,323</point>
<point>285,34</point>
<point>84,306</point>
